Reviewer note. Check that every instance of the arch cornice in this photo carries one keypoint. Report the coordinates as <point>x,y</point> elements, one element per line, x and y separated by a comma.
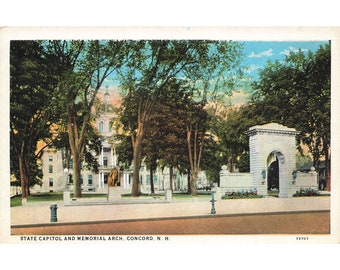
<point>272,128</point>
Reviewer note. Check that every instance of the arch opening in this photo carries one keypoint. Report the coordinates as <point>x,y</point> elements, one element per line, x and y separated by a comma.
<point>276,172</point>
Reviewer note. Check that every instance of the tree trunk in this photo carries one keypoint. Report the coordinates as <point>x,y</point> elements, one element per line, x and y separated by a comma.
<point>328,169</point>
<point>151,182</point>
<point>231,163</point>
<point>193,183</point>
<point>23,177</point>
<point>171,172</point>
<point>27,170</point>
<point>137,153</point>
<point>189,182</point>
<point>76,174</point>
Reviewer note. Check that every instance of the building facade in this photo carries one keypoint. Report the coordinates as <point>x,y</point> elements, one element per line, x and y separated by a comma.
<point>56,177</point>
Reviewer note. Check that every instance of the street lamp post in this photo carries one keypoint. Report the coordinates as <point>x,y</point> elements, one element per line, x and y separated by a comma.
<point>213,211</point>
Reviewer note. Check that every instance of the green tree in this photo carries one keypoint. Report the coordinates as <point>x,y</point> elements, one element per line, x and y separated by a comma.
<point>296,93</point>
<point>82,66</point>
<point>165,141</point>
<point>32,112</point>
<point>203,64</point>
<point>230,128</point>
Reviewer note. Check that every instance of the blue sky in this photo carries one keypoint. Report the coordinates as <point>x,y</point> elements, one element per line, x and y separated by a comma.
<point>257,53</point>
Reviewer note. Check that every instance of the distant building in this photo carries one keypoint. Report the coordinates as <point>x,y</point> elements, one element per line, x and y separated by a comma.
<point>56,177</point>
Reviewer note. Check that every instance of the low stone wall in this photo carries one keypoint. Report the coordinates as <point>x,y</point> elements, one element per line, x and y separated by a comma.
<point>305,181</point>
<point>236,181</point>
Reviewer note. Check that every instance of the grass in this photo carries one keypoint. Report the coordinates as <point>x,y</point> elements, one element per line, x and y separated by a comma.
<point>273,193</point>
<point>188,196</point>
<point>16,201</point>
<point>144,195</point>
<point>174,195</point>
<point>48,196</point>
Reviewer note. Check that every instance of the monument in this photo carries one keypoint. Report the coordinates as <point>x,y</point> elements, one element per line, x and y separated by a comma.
<point>268,143</point>
<point>115,190</point>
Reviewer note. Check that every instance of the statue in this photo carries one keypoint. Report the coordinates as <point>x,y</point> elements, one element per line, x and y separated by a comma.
<point>113,178</point>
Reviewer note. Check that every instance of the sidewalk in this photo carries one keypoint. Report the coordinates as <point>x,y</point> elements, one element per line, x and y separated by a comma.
<point>39,213</point>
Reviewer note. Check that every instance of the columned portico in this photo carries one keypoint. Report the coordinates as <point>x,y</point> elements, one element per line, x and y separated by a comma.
<point>101,181</point>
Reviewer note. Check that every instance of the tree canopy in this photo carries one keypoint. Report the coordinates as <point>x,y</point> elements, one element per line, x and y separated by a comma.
<point>32,84</point>
<point>297,93</point>
<point>202,66</point>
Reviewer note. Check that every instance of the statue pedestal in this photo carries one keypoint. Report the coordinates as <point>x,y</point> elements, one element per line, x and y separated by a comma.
<point>67,197</point>
<point>168,195</point>
<point>115,194</point>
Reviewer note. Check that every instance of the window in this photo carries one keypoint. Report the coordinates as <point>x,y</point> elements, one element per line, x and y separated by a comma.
<point>71,164</point>
<point>148,179</point>
<point>105,161</point>
<point>89,178</point>
<point>110,127</point>
<point>81,179</point>
<point>101,126</point>
<point>70,180</point>
<point>50,158</point>
<point>50,182</point>
<point>50,168</point>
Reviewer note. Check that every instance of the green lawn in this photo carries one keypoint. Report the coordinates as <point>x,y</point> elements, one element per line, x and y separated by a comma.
<point>188,196</point>
<point>51,196</point>
<point>174,195</point>
<point>273,193</point>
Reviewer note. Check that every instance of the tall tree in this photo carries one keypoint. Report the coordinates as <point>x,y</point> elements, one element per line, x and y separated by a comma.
<point>202,63</point>
<point>230,130</point>
<point>197,125</point>
<point>32,112</point>
<point>83,67</point>
<point>296,93</point>
<point>165,140</point>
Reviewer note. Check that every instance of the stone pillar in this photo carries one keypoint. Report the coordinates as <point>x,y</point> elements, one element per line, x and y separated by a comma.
<point>126,180</point>
<point>168,195</point>
<point>112,158</point>
<point>67,197</point>
<point>223,176</point>
<point>101,180</point>
<point>218,193</point>
<point>102,157</point>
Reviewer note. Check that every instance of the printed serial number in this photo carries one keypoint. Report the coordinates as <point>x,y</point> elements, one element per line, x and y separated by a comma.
<point>303,238</point>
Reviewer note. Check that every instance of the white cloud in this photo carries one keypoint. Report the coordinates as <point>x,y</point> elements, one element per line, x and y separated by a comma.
<point>261,54</point>
<point>292,50</point>
<point>251,68</point>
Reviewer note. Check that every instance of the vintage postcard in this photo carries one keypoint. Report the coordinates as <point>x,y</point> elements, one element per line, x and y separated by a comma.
<point>169,134</point>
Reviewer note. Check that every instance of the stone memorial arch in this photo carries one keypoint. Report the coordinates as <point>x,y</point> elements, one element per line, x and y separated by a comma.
<point>272,164</point>
<point>273,143</point>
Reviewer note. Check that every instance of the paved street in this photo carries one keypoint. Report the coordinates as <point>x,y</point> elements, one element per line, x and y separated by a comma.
<point>245,216</point>
<point>279,223</point>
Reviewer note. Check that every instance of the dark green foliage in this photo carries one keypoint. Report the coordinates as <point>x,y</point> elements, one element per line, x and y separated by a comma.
<point>201,66</point>
<point>244,194</point>
<point>307,192</point>
<point>32,108</point>
<point>296,93</point>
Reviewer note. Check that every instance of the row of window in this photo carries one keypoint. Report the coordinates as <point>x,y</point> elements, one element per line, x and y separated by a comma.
<point>50,167</point>
<point>89,180</point>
